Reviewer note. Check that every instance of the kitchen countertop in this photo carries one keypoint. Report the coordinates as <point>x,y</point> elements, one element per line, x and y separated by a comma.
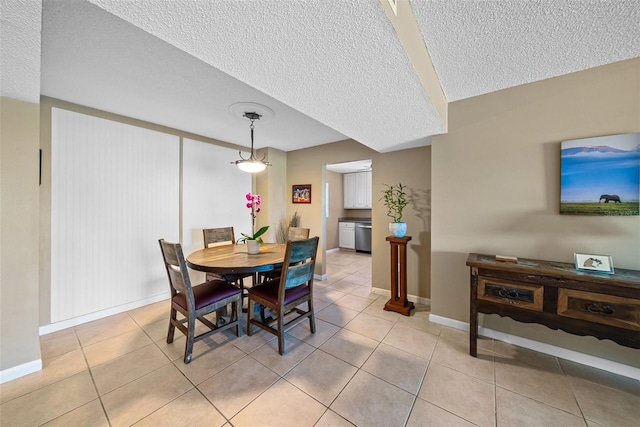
<point>354,219</point>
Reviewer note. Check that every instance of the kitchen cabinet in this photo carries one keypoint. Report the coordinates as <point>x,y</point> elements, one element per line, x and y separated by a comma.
<point>347,235</point>
<point>357,190</point>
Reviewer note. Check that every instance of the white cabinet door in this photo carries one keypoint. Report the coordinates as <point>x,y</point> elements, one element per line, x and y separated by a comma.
<point>363,190</point>
<point>357,190</point>
<point>368,191</point>
<point>347,236</point>
<point>349,190</point>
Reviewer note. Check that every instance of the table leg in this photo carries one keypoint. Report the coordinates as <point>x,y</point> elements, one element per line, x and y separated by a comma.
<point>473,316</point>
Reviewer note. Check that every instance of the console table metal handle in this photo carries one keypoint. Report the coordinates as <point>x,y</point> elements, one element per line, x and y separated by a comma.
<point>509,293</point>
<point>598,308</point>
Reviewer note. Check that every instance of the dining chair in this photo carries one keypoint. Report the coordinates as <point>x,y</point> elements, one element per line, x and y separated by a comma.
<point>293,234</point>
<point>194,302</point>
<point>283,295</point>
<point>223,236</point>
<point>217,237</point>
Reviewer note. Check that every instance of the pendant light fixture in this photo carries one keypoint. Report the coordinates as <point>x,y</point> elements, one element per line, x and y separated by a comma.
<point>251,165</point>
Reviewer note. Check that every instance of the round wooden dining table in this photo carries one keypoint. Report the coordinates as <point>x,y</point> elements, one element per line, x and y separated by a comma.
<point>234,259</point>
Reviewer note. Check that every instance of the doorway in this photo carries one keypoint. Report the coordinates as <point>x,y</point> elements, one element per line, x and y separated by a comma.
<point>337,205</point>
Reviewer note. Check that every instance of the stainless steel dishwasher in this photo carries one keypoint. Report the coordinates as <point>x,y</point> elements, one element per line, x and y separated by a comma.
<point>363,237</point>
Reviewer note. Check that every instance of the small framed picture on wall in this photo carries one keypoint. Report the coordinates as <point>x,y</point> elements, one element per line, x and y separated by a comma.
<point>301,193</point>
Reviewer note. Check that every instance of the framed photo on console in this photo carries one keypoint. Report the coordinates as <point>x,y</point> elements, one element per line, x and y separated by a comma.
<point>595,263</point>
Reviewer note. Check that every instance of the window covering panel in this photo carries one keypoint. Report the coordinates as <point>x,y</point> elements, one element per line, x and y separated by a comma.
<point>115,192</point>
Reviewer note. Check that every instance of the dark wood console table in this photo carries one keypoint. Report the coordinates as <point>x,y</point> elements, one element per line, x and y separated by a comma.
<point>555,294</point>
<point>399,302</point>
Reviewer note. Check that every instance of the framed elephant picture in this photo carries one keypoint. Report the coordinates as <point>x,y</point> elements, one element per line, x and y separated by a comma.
<point>601,176</point>
<point>595,263</point>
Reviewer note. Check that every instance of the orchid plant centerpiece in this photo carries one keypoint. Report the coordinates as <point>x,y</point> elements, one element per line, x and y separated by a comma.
<point>253,203</point>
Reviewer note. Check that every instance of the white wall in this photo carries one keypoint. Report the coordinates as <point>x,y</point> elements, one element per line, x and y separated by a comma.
<point>115,192</point>
<point>213,193</point>
<point>117,188</point>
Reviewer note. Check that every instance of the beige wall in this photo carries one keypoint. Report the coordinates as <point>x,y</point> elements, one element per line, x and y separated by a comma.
<point>19,171</point>
<point>270,185</point>
<point>411,167</point>
<point>307,166</point>
<point>336,210</point>
<point>496,188</point>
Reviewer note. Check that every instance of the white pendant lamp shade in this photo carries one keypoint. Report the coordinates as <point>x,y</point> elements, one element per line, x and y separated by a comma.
<point>251,165</point>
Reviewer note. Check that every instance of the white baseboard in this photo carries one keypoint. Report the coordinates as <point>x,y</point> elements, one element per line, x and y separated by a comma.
<point>36,365</point>
<point>319,277</point>
<point>58,326</point>
<point>574,356</point>
<point>333,250</point>
<point>383,292</point>
<point>20,370</point>
<point>412,298</point>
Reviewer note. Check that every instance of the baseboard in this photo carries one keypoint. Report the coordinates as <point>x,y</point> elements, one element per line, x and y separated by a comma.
<point>320,277</point>
<point>380,291</point>
<point>574,356</point>
<point>412,298</point>
<point>333,250</point>
<point>58,326</point>
<point>20,370</point>
<point>419,300</point>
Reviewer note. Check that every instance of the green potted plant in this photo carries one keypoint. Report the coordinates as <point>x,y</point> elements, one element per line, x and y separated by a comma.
<point>395,200</point>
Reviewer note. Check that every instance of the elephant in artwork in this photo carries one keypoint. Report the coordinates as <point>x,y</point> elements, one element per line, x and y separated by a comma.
<point>610,198</point>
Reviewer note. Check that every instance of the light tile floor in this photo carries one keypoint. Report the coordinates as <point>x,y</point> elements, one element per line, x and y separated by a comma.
<point>364,366</point>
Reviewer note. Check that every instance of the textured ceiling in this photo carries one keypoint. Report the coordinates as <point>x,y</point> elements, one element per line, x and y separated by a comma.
<point>333,60</point>
<point>19,50</point>
<point>479,47</point>
<point>93,58</point>
<point>329,69</point>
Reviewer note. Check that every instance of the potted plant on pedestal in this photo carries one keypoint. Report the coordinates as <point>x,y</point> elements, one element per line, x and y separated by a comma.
<point>395,200</point>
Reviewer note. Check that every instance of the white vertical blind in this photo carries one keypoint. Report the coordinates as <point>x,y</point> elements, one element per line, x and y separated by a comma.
<point>213,192</point>
<point>115,192</point>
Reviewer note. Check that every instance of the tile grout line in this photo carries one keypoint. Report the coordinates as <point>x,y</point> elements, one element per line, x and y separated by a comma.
<point>93,380</point>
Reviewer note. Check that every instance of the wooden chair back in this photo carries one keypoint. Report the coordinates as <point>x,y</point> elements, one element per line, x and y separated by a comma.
<point>176,267</point>
<point>299,264</point>
<point>297,233</point>
<point>218,236</point>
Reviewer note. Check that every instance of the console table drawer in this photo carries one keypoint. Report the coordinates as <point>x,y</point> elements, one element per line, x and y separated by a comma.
<point>599,308</point>
<point>530,297</point>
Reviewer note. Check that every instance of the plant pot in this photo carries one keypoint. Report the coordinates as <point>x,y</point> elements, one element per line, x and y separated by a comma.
<point>398,229</point>
<point>253,247</point>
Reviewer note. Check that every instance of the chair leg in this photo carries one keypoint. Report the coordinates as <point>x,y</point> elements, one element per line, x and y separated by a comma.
<point>240,283</point>
<point>172,327</point>
<point>263,315</point>
<point>220,320</point>
<point>191,330</point>
<point>281,331</point>
<point>236,311</point>
<point>312,317</point>
<point>250,304</point>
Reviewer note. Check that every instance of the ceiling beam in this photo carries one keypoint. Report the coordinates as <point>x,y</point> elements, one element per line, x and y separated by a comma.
<point>410,37</point>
